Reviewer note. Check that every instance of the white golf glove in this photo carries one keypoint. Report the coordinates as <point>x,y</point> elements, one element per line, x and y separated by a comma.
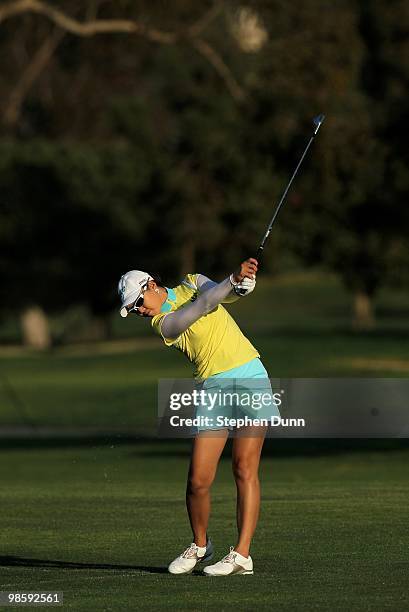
<point>246,286</point>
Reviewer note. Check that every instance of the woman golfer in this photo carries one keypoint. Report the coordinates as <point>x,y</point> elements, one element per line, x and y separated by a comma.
<point>191,318</point>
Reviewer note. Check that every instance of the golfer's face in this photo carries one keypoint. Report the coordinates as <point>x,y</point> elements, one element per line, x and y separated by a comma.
<point>152,302</point>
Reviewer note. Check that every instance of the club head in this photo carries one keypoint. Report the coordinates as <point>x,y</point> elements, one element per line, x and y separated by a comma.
<point>317,122</point>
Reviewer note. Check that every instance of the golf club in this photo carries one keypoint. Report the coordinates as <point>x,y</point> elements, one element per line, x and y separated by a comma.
<point>317,121</point>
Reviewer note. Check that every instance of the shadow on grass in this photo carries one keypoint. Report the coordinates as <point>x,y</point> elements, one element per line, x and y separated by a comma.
<point>10,561</point>
<point>282,448</point>
<point>167,447</point>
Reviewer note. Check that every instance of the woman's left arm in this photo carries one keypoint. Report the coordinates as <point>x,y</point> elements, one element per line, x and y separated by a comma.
<point>204,284</point>
<point>177,322</point>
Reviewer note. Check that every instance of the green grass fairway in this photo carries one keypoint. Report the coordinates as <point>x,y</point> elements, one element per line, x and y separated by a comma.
<point>101,524</point>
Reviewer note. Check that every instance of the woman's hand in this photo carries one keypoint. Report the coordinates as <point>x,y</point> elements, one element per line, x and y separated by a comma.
<point>247,269</point>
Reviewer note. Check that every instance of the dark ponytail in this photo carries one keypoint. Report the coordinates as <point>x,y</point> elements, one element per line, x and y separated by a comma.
<point>157,279</point>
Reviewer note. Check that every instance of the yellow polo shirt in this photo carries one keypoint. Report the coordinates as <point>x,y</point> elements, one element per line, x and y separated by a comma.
<point>214,343</point>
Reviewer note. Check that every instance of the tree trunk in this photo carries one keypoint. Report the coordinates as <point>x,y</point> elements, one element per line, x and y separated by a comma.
<point>35,328</point>
<point>364,318</point>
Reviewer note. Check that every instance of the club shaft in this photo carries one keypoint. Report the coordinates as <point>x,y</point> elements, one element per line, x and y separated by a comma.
<point>281,202</point>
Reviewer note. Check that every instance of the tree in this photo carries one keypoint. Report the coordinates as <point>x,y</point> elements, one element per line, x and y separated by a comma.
<point>346,212</point>
<point>67,224</point>
<point>178,133</point>
<point>191,33</point>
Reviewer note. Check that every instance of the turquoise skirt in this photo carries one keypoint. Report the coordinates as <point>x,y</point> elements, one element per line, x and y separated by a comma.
<point>238,397</point>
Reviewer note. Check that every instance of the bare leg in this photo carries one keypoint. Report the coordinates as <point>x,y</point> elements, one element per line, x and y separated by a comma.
<point>246,459</point>
<point>206,451</point>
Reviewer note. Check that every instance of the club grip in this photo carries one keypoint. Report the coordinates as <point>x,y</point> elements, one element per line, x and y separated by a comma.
<point>238,291</point>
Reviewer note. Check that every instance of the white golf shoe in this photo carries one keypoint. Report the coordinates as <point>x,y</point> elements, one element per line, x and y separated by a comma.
<point>187,561</point>
<point>233,563</point>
